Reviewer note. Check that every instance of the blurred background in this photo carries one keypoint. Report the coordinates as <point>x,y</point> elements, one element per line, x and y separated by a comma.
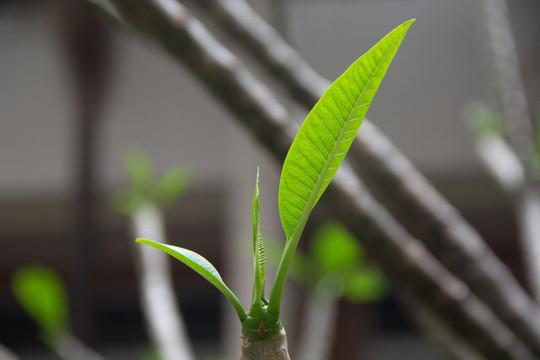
<point>53,211</point>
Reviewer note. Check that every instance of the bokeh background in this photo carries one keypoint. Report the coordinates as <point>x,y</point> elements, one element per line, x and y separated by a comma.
<point>153,103</point>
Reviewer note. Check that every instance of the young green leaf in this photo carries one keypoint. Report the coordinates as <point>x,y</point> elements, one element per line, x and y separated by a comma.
<point>41,294</point>
<point>335,249</point>
<point>323,141</point>
<point>329,129</point>
<point>203,267</point>
<point>366,284</point>
<point>138,169</point>
<point>259,258</point>
<point>173,183</point>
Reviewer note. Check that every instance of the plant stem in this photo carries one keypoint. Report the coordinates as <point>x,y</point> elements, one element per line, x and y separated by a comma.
<point>318,328</point>
<point>69,347</point>
<point>6,354</point>
<point>273,348</point>
<point>283,269</point>
<point>159,303</point>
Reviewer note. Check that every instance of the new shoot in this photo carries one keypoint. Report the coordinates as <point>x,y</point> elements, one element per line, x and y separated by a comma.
<point>312,161</point>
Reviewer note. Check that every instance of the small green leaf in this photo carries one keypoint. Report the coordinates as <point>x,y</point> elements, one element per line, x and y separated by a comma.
<point>259,258</point>
<point>203,267</point>
<point>365,285</point>
<point>334,248</point>
<point>139,169</point>
<point>329,129</point>
<point>481,119</point>
<point>41,294</point>
<point>126,201</point>
<point>171,185</point>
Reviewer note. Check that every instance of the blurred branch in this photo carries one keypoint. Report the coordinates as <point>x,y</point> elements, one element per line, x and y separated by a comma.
<point>456,347</point>
<point>87,45</point>
<point>161,312</point>
<point>501,162</point>
<point>69,347</point>
<point>513,100</point>
<point>266,44</point>
<point>6,354</point>
<point>506,169</point>
<point>508,82</point>
<point>404,259</point>
<point>394,179</point>
<point>528,216</point>
<point>317,328</point>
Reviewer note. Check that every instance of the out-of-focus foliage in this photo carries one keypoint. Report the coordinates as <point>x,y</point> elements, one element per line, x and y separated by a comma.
<point>335,266</point>
<point>537,139</point>
<point>42,295</point>
<point>483,120</point>
<point>144,188</point>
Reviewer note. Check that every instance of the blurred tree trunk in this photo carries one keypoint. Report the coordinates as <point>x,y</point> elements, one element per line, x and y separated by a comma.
<point>87,46</point>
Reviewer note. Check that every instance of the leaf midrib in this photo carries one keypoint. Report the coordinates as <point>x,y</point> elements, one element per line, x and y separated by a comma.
<point>313,196</point>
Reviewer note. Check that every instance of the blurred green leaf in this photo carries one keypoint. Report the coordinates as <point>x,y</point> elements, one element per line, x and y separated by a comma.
<point>138,169</point>
<point>303,269</point>
<point>171,185</point>
<point>367,284</point>
<point>334,248</point>
<point>126,201</point>
<point>144,188</point>
<point>150,353</point>
<point>339,257</point>
<point>41,294</point>
<point>481,119</point>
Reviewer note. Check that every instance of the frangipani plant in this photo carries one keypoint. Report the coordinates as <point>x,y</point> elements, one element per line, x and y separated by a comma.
<point>312,161</point>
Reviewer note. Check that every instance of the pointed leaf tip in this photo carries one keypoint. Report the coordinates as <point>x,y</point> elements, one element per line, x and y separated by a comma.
<point>203,267</point>
<point>259,258</point>
<point>329,129</point>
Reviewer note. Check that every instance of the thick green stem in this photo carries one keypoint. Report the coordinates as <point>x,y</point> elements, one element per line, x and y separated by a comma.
<point>272,348</point>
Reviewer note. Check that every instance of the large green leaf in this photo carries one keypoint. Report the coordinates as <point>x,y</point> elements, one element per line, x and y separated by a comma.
<point>328,131</point>
<point>203,267</point>
<point>323,141</point>
<point>41,294</point>
<point>259,258</point>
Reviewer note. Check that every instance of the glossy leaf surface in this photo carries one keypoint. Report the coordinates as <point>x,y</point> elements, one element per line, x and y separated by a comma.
<point>41,294</point>
<point>203,267</point>
<point>329,129</point>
